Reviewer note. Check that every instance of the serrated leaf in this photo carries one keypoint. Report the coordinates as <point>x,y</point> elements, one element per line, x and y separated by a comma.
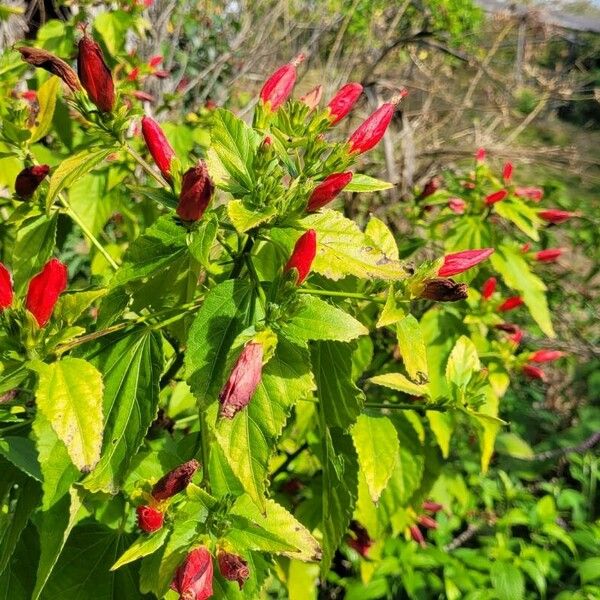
<point>508,581</point>
<point>384,239</point>
<point>511,444</point>
<point>46,97</point>
<point>143,546</point>
<point>315,319</point>
<point>366,183</point>
<point>340,399</point>
<point>69,395</point>
<point>245,218</point>
<point>70,306</point>
<point>397,381</point>
<point>21,452</point>
<point>463,362</point>
<point>521,214</point>
<point>377,446</point>
<point>391,312</point>
<point>488,430</point>
<point>201,240</point>
<point>412,349</point>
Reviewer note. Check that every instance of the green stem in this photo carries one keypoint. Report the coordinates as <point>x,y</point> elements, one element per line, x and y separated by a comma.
<point>87,232</point>
<point>334,294</point>
<point>144,165</point>
<point>418,407</point>
<point>256,281</point>
<point>239,262</point>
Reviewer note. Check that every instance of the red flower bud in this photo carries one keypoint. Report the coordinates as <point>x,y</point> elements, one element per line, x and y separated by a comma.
<point>511,303</point>
<point>149,519</point>
<point>341,104</point>
<point>360,540</point>
<point>488,289</point>
<point>457,205</point>
<point>507,172</point>
<point>554,215</point>
<point>458,262</point>
<point>94,75</point>
<point>507,327</point>
<point>29,95</point>
<point>517,336</point>
<point>534,372</point>
<point>155,61</point>
<point>233,567</point>
<point>496,197</point>
<point>526,247</point>
<point>443,290</point>
<point>47,61</point>
<point>278,87</point>
<point>143,96</point>
<point>542,356</point>
<point>158,145</point>
<point>6,288</point>
<point>432,507</point>
<point>303,255</point>
<point>427,522</point>
<point>371,131</point>
<point>29,179</point>
<point>531,193</point>
<point>175,481</point>
<point>430,187</point>
<point>417,536</point>
<point>134,74</point>
<point>196,191</point>
<point>549,255</point>
<point>480,154</point>
<point>312,98</point>
<point>243,381</point>
<point>44,290</point>
<point>327,190</point>
<point>162,74</point>
<point>193,579</point>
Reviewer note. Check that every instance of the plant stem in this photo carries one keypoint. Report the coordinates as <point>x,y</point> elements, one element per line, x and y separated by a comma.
<point>335,294</point>
<point>239,262</point>
<point>396,406</point>
<point>144,165</point>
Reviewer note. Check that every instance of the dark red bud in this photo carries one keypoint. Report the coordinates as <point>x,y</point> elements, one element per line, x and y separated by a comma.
<point>431,187</point>
<point>193,579</point>
<point>432,507</point>
<point>47,61</point>
<point>488,289</point>
<point>233,567</point>
<point>175,481</point>
<point>149,519</point>
<point>360,539</point>
<point>6,288</point>
<point>303,255</point>
<point>143,96</point>
<point>507,327</point>
<point>341,104</point>
<point>44,290</point>
<point>511,303</point>
<point>549,255</point>
<point>427,522</point>
<point>444,290</point>
<point>534,372</point>
<point>417,536</point>
<point>29,179</point>
<point>327,190</point>
<point>459,262</point>
<point>196,191</point>
<point>94,74</point>
<point>158,145</point>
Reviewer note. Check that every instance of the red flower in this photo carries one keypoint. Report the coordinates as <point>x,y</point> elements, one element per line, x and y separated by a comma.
<point>427,522</point>
<point>278,87</point>
<point>459,262</point>
<point>193,579</point>
<point>327,190</point>
<point>507,172</point>
<point>549,255</point>
<point>44,290</point>
<point>196,191</point>
<point>158,145</point>
<point>554,215</point>
<point>531,193</point>
<point>534,372</point>
<point>432,507</point>
<point>303,255</point>
<point>360,540</point>
<point>371,131</point>
<point>233,567</point>
<point>29,179</point>
<point>243,381</point>
<point>542,356</point>
<point>149,519</point>
<point>175,481</point>
<point>6,288</point>
<point>312,98</point>
<point>488,289</point>
<point>480,154</point>
<point>496,197</point>
<point>457,205</point>
<point>341,104</point>
<point>417,536</point>
<point>94,75</point>
<point>511,303</point>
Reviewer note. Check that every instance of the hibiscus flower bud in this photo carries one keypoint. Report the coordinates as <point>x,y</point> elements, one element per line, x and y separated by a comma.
<point>417,536</point>
<point>243,381</point>
<point>158,145</point>
<point>155,61</point>
<point>94,74</point>
<point>549,255</point>
<point>278,87</point>
<point>44,290</point>
<point>233,567</point>
<point>480,154</point>
<point>533,372</point>
<point>312,98</point>
<point>495,197</point>
<point>303,255</point>
<point>427,522</point>
<point>6,288</point>
<point>47,61</point>
<point>507,172</point>
<point>457,205</point>
<point>488,289</point>
<point>29,179</point>
<point>430,187</point>
<point>193,578</point>
<point>143,96</point>
<point>443,290</point>
<point>542,356</point>
<point>149,519</point>
<point>458,262</point>
<point>327,190</point>
<point>196,191</point>
<point>531,193</point>
<point>517,336</point>
<point>432,507</point>
<point>341,104</point>
<point>526,247</point>
<point>175,481</point>
<point>511,303</point>
<point>554,215</point>
<point>360,539</point>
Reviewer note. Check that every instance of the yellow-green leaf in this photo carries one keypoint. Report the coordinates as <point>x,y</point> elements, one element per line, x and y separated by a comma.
<point>412,348</point>
<point>47,101</point>
<point>397,381</point>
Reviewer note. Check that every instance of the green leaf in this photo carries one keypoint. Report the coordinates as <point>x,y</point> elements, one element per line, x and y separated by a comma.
<point>380,233</point>
<point>521,214</point>
<point>508,581</point>
<point>73,168</point>
<point>69,395</point>
<point>377,446</point>
<point>21,452</point>
<point>589,569</point>
<point>488,430</point>
<point>248,440</point>
<point>221,318</point>
<point>340,399</point>
<point>315,319</point>
<point>365,183</point>
<point>391,312</point>
<point>70,306</point>
<point>131,365</point>
<point>397,381</point>
<point>245,218</point>
<point>511,444</point>
<point>46,96</point>
<point>112,27</point>
<point>412,349</point>
<point>463,362</point>
<point>16,582</point>
<point>200,241</point>
<point>143,546</point>
<point>342,249</point>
